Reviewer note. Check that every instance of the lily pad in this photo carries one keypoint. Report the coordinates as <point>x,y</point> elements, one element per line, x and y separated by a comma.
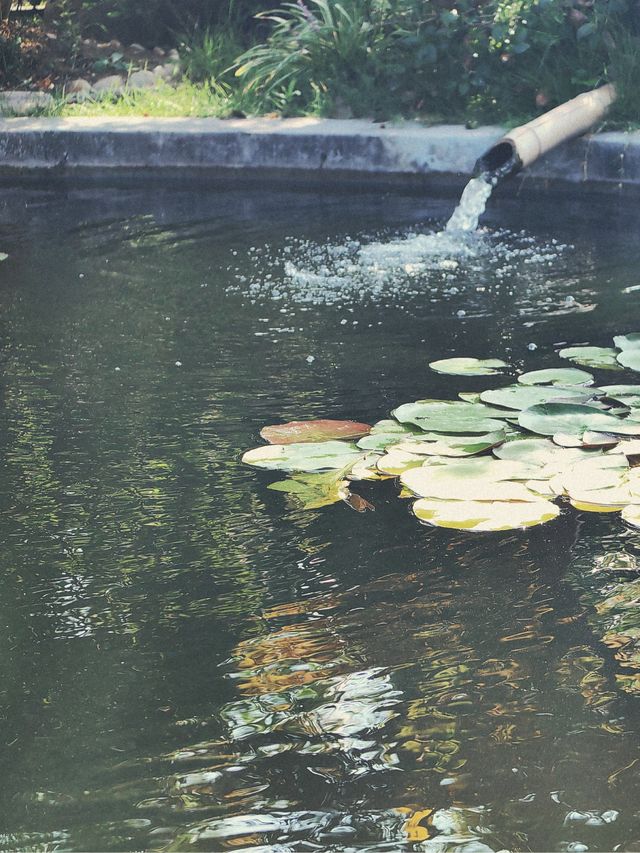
<point>603,358</point>
<point>468,366</point>
<point>367,468</point>
<point>627,342</point>
<point>524,396</point>
<point>304,457</point>
<point>484,516</point>
<point>621,391</point>
<point>449,416</point>
<point>540,452</point>
<point>389,425</point>
<point>381,440</point>
<point>631,514</point>
<point>556,376</point>
<point>484,479</point>
<point>568,418</point>
<point>454,446</point>
<point>395,462</point>
<point>630,358</point>
<point>312,431</point>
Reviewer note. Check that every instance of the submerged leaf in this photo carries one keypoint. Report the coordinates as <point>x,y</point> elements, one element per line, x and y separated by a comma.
<point>308,431</point>
<point>313,491</point>
<point>468,366</point>
<point>484,516</point>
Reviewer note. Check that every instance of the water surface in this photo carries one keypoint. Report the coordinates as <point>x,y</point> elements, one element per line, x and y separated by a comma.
<point>189,662</point>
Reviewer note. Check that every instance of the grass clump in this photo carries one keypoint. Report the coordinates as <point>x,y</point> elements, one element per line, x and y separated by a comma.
<point>186,99</point>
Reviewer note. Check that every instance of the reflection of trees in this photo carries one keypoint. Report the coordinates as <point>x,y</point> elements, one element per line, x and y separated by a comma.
<point>416,691</point>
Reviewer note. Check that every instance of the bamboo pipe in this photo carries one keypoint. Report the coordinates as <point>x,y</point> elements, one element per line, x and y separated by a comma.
<point>523,145</point>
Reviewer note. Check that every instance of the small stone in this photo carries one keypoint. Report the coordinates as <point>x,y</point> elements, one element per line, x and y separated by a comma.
<point>78,90</point>
<point>78,87</point>
<point>114,44</point>
<point>168,72</point>
<point>173,55</point>
<point>158,70</point>
<point>142,80</point>
<point>23,103</point>
<point>114,84</point>
<point>159,52</point>
<point>136,48</point>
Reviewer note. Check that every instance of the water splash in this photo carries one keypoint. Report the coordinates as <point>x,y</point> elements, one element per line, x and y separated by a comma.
<point>472,204</point>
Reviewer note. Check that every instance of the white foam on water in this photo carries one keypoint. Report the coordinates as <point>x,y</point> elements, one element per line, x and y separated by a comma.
<point>442,249</point>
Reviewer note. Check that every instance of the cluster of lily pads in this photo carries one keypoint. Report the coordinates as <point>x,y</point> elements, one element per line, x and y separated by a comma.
<point>495,460</point>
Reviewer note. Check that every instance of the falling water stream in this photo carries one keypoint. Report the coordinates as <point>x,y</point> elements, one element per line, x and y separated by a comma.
<point>472,204</point>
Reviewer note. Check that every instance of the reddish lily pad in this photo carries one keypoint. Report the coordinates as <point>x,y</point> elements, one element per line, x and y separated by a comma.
<point>322,430</point>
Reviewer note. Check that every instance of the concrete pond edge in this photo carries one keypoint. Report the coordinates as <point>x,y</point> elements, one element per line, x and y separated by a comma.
<point>313,150</point>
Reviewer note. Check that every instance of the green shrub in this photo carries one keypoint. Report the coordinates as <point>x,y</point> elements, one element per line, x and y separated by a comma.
<point>483,59</point>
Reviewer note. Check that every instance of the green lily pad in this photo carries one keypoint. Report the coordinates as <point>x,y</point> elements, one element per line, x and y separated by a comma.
<point>381,440</point>
<point>630,358</point>
<point>367,468</point>
<point>524,396</point>
<point>631,514</point>
<point>448,416</point>
<point>296,432</point>
<point>603,358</point>
<point>541,452</point>
<point>484,479</point>
<point>389,425</point>
<point>455,445</point>
<point>621,391</point>
<point>395,462</point>
<point>312,491</point>
<point>468,366</point>
<point>470,396</point>
<point>568,418</point>
<point>306,458</point>
<point>626,342</point>
<point>484,516</point>
<point>556,376</point>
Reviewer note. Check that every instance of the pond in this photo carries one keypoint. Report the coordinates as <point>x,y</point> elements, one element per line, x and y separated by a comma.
<point>191,662</point>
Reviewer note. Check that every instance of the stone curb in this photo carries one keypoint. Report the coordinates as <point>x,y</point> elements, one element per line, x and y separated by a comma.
<point>325,150</point>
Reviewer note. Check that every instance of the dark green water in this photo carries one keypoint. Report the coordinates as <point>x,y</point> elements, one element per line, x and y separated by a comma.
<point>189,663</point>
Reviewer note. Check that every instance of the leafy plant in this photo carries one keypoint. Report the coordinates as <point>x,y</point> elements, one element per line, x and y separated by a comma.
<point>320,48</point>
<point>209,54</point>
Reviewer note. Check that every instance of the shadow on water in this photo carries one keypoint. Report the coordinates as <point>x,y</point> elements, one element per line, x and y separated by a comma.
<point>188,661</point>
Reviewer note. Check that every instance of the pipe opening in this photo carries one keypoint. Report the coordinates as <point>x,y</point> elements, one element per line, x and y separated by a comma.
<point>499,161</point>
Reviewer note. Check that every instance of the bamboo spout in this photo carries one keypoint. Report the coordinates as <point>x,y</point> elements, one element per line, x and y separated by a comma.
<point>523,145</point>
